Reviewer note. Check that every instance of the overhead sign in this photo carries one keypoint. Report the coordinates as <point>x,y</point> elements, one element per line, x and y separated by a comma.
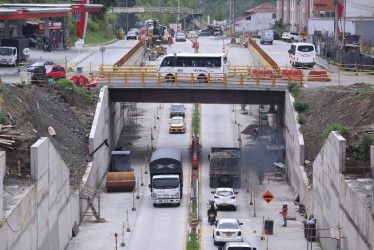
<point>268,197</point>
<point>303,34</point>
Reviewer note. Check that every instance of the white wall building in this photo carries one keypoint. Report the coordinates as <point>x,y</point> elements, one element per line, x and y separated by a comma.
<point>260,17</point>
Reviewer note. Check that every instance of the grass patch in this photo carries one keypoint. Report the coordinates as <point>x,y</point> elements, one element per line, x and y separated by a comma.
<point>363,145</point>
<point>294,89</point>
<point>66,83</point>
<point>3,120</point>
<point>196,120</point>
<point>341,130</point>
<point>300,105</point>
<point>301,119</point>
<point>193,243</point>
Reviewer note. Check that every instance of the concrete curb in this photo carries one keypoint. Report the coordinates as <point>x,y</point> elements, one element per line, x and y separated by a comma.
<point>97,44</point>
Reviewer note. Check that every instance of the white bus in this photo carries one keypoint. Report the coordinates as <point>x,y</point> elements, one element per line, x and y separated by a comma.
<point>198,64</point>
<point>302,54</point>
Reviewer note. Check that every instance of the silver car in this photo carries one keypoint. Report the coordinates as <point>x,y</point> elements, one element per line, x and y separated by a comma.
<point>237,246</point>
<point>225,198</point>
<point>227,230</point>
<point>180,37</point>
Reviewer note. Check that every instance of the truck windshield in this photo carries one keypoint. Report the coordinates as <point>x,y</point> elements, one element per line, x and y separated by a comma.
<point>166,183</point>
<point>5,51</point>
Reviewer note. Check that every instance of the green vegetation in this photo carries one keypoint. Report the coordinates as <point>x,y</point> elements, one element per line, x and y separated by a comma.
<point>193,243</point>
<point>66,83</point>
<point>363,145</point>
<point>280,27</point>
<point>3,119</point>
<point>294,89</point>
<point>341,130</point>
<point>300,105</point>
<point>196,120</point>
<point>301,119</point>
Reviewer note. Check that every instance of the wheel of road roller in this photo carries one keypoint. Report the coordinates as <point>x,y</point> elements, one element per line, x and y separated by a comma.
<point>120,181</point>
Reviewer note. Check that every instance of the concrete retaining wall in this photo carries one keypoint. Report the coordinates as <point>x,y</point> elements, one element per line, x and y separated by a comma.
<point>137,59</point>
<point>295,154</point>
<point>336,202</point>
<point>44,218</point>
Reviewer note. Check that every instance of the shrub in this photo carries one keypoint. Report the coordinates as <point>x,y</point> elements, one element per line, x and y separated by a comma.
<point>3,119</point>
<point>341,130</point>
<point>301,119</point>
<point>193,243</point>
<point>300,105</point>
<point>363,145</point>
<point>293,88</point>
<point>66,83</point>
<point>196,120</point>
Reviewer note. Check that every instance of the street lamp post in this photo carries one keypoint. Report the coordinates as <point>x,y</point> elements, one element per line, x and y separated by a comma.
<point>102,49</point>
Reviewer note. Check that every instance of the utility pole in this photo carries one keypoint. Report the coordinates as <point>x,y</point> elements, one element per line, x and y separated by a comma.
<point>336,2</point>
<point>179,14</point>
<point>230,17</point>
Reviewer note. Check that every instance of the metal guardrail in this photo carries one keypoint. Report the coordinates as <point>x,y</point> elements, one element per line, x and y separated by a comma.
<point>143,77</point>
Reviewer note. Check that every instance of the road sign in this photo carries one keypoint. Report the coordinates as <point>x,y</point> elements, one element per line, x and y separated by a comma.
<point>268,197</point>
<point>303,34</point>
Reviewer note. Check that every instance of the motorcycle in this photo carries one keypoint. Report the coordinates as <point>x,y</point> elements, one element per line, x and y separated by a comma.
<point>47,47</point>
<point>212,218</point>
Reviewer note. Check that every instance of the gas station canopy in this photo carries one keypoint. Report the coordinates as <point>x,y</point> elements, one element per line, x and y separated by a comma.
<point>23,11</point>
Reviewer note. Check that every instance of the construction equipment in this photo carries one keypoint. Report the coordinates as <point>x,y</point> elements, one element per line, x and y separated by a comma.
<point>120,176</point>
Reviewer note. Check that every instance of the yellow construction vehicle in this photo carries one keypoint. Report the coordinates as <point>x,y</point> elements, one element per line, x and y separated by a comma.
<point>120,176</point>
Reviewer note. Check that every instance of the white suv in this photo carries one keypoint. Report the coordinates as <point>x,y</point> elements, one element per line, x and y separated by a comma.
<point>291,37</point>
<point>225,198</point>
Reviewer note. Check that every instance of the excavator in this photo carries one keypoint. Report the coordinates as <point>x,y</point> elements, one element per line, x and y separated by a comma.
<point>120,175</point>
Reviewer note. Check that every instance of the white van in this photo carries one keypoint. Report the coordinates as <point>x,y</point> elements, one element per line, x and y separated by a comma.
<point>302,54</point>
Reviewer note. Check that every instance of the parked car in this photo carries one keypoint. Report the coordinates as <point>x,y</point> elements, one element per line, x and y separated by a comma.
<point>291,37</point>
<point>217,31</point>
<point>237,246</point>
<point>227,230</point>
<point>205,33</point>
<point>55,71</point>
<point>131,35</point>
<point>32,42</point>
<point>225,198</point>
<point>37,64</point>
<point>180,37</point>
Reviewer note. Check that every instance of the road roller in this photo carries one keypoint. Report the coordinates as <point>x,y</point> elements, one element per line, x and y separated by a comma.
<point>120,176</point>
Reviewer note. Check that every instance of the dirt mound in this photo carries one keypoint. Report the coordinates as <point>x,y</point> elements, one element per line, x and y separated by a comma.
<point>34,109</point>
<point>350,106</point>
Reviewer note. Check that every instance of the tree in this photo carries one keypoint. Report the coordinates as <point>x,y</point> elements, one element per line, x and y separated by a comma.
<point>279,26</point>
<point>219,14</point>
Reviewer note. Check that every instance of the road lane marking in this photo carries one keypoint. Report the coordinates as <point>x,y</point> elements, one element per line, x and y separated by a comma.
<point>276,52</point>
<point>168,119</point>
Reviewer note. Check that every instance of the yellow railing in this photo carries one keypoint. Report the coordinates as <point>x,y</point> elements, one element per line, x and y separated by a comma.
<point>143,77</point>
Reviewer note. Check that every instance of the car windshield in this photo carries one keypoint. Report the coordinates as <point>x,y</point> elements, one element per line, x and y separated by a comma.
<point>180,34</point>
<point>166,183</point>
<point>224,193</point>
<point>228,225</point>
<point>177,107</point>
<point>305,48</point>
<point>176,121</point>
<point>48,68</point>
<point>131,32</point>
<point>6,52</point>
<point>38,64</point>
<point>239,248</point>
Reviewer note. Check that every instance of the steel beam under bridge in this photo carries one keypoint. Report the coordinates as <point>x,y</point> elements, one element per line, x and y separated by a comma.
<point>157,10</point>
<point>223,95</point>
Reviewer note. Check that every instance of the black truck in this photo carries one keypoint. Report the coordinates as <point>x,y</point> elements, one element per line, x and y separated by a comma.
<point>224,168</point>
<point>166,176</point>
<point>11,50</point>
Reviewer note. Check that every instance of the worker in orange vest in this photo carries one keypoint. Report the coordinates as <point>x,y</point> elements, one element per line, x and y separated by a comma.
<point>195,45</point>
<point>284,214</point>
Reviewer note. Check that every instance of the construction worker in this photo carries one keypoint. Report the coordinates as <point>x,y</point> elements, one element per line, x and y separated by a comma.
<point>284,214</point>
